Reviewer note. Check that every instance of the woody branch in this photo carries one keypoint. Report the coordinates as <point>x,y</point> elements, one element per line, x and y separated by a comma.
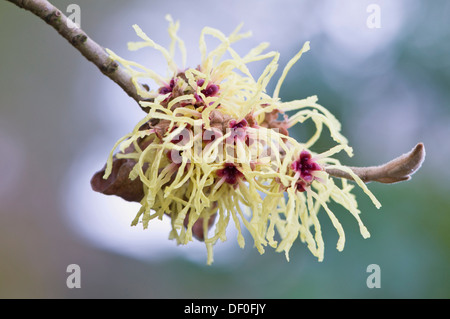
<point>91,50</point>
<point>396,170</point>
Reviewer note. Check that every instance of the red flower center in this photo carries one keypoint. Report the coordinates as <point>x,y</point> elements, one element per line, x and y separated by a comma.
<point>211,88</point>
<point>305,166</point>
<point>238,128</point>
<point>230,173</point>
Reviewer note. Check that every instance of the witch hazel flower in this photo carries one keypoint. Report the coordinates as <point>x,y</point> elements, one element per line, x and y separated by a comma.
<point>211,151</point>
<point>305,169</point>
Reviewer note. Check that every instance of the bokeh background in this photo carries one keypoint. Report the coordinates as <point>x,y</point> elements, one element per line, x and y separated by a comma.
<point>59,117</point>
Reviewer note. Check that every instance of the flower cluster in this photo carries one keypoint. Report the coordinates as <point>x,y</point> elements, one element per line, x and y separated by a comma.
<point>214,149</point>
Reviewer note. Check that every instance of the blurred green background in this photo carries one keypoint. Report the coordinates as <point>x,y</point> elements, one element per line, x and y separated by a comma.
<point>59,117</point>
